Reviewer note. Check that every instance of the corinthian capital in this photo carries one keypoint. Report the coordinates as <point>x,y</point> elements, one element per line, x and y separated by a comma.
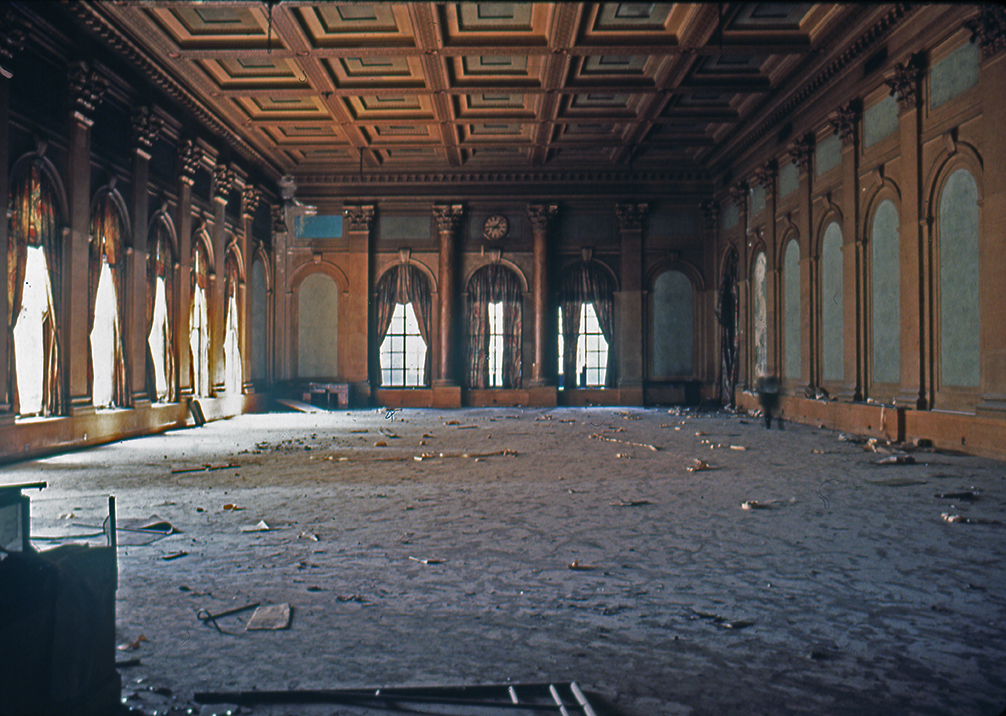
<point>988,30</point>
<point>630,216</point>
<point>905,82</point>
<point>360,218</point>
<point>448,216</point>
<point>541,216</point>
<point>87,88</point>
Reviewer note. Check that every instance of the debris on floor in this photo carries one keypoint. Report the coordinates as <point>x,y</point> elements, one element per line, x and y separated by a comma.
<point>577,567</point>
<point>897,460</point>
<point>260,526</point>
<point>897,481</point>
<point>133,645</point>
<point>968,495</point>
<point>598,436</point>
<point>699,466</point>
<point>962,519</point>
<point>427,561</point>
<point>270,617</point>
<point>631,503</point>
<point>721,621</point>
<point>756,505</point>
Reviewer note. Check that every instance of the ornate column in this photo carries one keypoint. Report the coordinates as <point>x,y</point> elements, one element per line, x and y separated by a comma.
<point>989,32</point>
<point>543,368</point>
<point>13,31</point>
<point>250,199</point>
<point>629,304</point>
<point>708,332</point>
<point>846,126</point>
<point>145,127</point>
<point>359,353</point>
<point>281,294</point>
<point>448,219</point>
<point>87,88</point>
<point>190,157</point>
<point>223,184</point>
<point>802,153</point>
<point>905,84</point>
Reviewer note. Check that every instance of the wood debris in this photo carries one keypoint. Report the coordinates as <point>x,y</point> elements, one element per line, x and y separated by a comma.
<point>598,436</point>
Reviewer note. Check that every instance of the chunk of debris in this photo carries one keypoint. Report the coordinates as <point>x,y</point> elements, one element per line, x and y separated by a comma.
<point>577,567</point>
<point>631,503</point>
<point>962,519</point>
<point>900,459</point>
<point>261,526</point>
<point>598,436</point>
<point>133,645</point>
<point>967,495</point>
<point>699,466</point>
<point>428,560</point>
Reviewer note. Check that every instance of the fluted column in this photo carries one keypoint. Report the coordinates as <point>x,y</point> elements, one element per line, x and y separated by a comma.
<point>448,219</point>
<point>541,216</point>
<point>87,87</point>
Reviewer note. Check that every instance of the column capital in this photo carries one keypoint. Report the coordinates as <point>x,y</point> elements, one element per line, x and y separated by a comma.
<point>145,127</point>
<point>250,199</point>
<point>87,89</point>
<point>448,216</point>
<point>801,151</point>
<point>739,194</point>
<point>711,214</point>
<point>361,218</point>
<point>278,217</point>
<point>765,175</point>
<point>13,32</point>
<point>224,177</point>
<point>845,121</point>
<point>904,82</point>
<point>988,30</point>
<point>541,216</point>
<point>630,216</point>
<point>190,156</point>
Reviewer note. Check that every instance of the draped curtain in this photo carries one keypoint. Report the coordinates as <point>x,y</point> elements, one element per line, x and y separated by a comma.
<point>494,284</point>
<point>160,264</point>
<point>107,233</point>
<point>404,284</point>
<point>726,313</point>
<point>199,329</point>
<point>586,283</point>
<point>34,222</point>
<point>232,350</point>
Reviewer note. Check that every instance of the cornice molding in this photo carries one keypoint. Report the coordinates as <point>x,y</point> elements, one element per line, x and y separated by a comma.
<point>508,177</point>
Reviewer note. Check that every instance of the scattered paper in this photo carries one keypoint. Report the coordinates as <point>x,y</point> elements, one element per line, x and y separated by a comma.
<point>272,616</point>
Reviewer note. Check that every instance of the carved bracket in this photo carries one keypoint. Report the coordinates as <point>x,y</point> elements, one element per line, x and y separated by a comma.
<point>905,82</point>
<point>190,156</point>
<point>801,151</point>
<point>711,214</point>
<point>630,216</point>
<point>765,177</point>
<point>989,30</point>
<point>541,216</point>
<point>223,181</point>
<point>278,219</point>
<point>448,217</point>
<point>146,126</point>
<point>13,32</point>
<point>87,88</point>
<point>846,121</point>
<point>361,218</point>
<point>739,194</point>
<point>250,199</point>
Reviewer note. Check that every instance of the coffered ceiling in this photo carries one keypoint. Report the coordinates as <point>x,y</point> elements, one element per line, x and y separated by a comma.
<point>330,88</point>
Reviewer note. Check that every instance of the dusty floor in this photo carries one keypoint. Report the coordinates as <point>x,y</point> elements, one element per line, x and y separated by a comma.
<point>848,594</point>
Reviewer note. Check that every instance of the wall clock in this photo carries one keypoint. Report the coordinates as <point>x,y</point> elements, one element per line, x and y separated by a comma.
<point>495,227</point>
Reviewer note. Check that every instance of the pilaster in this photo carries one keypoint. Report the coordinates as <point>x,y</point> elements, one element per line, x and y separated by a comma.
<point>448,218</point>
<point>542,217</point>
<point>250,199</point>
<point>281,295</point>
<point>629,303</point>
<point>359,353</point>
<point>223,183</point>
<point>190,157</point>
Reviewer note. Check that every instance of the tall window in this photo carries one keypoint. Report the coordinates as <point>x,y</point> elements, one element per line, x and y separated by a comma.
<point>587,325</point>
<point>33,263</point>
<point>403,324</point>
<point>495,295</point>
<point>108,369</point>
<point>403,350</point>
<point>161,378</point>
<point>591,364</point>
<point>233,374</point>
<point>199,321</point>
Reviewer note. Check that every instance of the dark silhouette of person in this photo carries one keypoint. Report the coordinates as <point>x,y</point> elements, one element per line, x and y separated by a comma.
<point>768,397</point>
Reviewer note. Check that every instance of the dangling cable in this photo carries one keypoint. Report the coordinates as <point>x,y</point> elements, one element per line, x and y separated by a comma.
<point>268,37</point>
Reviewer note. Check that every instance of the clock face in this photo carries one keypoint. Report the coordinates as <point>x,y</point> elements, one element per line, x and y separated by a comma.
<point>495,227</point>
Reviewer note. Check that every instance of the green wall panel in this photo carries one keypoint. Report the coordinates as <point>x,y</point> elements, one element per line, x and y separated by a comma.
<point>791,287</point>
<point>953,75</point>
<point>832,321</point>
<point>672,325</point>
<point>886,294</point>
<point>318,327</point>
<point>880,121</point>
<point>959,271</point>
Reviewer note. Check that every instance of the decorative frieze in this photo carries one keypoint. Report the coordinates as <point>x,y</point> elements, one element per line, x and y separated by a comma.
<point>87,88</point>
<point>630,216</point>
<point>905,82</point>
<point>801,151</point>
<point>360,218</point>
<point>988,30</point>
<point>846,122</point>
<point>541,216</point>
<point>448,217</point>
<point>146,126</point>
<point>190,156</point>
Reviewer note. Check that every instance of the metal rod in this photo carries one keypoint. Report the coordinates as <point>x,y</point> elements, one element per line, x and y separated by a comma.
<point>581,699</point>
<point>112,539</point>
<point>513,694</point>
<point>558,701</point>
<point>248,698</point>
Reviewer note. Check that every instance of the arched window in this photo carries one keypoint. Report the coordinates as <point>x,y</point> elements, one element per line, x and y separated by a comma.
<point>832,315</point>
<point>495,299</point>
<point>199,318</point>
<point>760,321</point>
<point>259,321</point>
<point>233,373</point>
<point>318,327</point>
<point>885,281</point>
<point>791,309</point>
<point>960,327</point>
<point>403,327</point>
<point>109,386</point>
<point>160,298</point>
<point>587,326</point>
<point>33,288</point>
<point>671,335</point>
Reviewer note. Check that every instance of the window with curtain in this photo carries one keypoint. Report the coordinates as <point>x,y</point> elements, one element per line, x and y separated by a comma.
<point>403,325</point>
<point>760,316</point>
<point>586,325</point>
<point>494,284</point>
<point>199,319</point>
<point>233,374</point>
<point>403,350</point>
<point>33,281</point>
<point>160,295</point>
<point>109,384</point>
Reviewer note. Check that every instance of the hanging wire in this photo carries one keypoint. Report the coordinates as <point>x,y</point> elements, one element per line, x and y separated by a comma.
<point>268,37</point>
